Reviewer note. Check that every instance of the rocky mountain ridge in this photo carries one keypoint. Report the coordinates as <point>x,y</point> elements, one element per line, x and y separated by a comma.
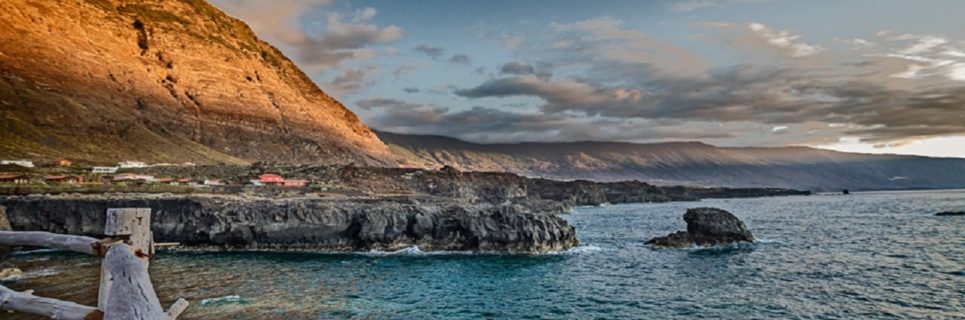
<point>161,81</point>
<point>687,163</point>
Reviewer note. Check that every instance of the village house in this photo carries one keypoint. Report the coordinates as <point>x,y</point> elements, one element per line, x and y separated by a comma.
<point>271,179</point>
<point>295,183</point>
<point>213,182</point>
<point>14,178</point>
<point>131,164</point>
<point>104,170</point>
<point>60,163</point>
<point>64,179</point>
<point>166,181</point>
<point>134,178</point>
<point>187,182</point>
<point>22,163</point>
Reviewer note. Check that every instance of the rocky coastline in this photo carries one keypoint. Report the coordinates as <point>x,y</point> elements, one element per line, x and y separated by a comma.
<point>311,224</point>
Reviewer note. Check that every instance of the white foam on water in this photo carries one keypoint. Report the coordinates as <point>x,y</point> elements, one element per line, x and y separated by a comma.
<point>766,241</point>
<point>221,300</point>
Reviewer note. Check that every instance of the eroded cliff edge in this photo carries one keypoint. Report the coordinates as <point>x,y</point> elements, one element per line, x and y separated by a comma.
<point>237,223</point>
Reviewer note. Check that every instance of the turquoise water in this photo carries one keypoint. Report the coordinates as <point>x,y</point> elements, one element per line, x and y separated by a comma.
<point>869,255</point>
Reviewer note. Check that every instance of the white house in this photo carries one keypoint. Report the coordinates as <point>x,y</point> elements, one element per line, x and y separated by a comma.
<point>213,182</point>
<point>104,170</point>
<point>131,164</point>
<point>22,163</point>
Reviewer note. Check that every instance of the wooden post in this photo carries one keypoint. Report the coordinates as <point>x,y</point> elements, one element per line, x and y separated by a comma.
<point>131,295</point>
<point>134,226</point>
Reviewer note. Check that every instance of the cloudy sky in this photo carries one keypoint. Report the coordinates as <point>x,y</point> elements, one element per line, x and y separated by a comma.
<point>869,76</point>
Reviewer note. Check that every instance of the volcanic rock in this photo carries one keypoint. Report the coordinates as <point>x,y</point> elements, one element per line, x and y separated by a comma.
<point>951,213</point>
<point>707,227</point>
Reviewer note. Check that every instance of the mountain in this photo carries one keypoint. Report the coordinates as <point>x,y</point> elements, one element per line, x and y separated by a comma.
<point>689,163</point>
<point>161,81</point>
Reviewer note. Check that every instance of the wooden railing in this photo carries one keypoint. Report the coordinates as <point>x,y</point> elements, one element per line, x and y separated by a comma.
<point>125,290</point>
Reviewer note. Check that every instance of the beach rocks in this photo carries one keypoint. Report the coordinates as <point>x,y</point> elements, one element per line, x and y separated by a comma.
<point>314,224</point>
<point>707,227</point>
<point>951,213</point>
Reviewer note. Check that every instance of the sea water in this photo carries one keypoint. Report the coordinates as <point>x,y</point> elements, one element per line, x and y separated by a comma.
<point>863,256</point>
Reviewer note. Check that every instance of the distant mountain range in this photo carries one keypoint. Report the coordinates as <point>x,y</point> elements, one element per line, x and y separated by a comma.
<point>688,163</point>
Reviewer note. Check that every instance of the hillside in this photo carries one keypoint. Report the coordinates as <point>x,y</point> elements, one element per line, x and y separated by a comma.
<point>161,81</point>
<point>690,163</point>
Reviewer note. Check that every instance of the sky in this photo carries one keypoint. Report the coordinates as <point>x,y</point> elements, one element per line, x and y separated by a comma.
<point>874,76</point>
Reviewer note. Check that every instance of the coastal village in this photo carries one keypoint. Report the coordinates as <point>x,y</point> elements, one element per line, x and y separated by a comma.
<point>64,173</point>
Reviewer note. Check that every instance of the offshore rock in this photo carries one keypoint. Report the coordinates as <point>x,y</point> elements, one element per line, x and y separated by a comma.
<point>707,227</point>
<point>951,213</point>
<point>315,224</point>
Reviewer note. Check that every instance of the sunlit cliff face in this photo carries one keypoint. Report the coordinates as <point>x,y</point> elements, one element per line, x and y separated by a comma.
<point>748,73</point>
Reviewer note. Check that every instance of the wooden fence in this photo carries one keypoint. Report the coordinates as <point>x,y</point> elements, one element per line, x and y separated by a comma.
<point>125,290</point>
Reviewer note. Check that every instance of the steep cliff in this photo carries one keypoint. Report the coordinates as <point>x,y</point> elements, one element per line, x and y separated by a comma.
<point>687,163</point>
<point>161,80</point>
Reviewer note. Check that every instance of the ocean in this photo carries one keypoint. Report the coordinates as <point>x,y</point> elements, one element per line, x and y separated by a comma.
<point>873,255</point>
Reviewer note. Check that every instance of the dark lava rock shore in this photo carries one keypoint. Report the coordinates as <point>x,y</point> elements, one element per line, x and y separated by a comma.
<point>237,223</point>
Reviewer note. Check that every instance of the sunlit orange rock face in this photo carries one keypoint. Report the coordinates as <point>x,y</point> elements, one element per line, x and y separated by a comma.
<point>164,81</point>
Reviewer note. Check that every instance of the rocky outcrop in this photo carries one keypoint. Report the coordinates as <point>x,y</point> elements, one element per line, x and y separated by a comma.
<point>951,213</point>
<point>706,227</point>
<point>223,222</point>
<point>161,81</point>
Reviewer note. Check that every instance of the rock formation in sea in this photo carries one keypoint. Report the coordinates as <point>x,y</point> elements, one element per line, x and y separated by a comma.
<point>706,227</point>
<point>951,213</point>
<point>245,223</point>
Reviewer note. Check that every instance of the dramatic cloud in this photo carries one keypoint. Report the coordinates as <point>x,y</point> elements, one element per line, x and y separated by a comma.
<point>342,37</point>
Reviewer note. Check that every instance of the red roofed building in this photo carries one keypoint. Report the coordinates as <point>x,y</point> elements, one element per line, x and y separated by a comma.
<point>295,183</point>
<point>270,179</point>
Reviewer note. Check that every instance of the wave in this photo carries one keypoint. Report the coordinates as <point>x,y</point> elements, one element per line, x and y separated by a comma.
<point>222,300</point>
<point>415,251</point>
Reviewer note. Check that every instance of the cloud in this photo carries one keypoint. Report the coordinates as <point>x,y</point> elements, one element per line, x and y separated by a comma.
<point>411,89</point>
<point>433,53</point>
<point>694,5</point>
<point>490,125</point>
<point>615,48</point>
<point>342,37</point>
<point>351,81</point>
<point>785,40</point>
<point>460,59</point>
<point>543,70</point>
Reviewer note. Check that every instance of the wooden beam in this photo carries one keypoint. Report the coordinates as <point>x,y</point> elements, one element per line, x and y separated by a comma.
<point>133,225</point>
<point>177,308</point>
<point>51,308</point>
<point>131,296</point>
<point>80,244</point>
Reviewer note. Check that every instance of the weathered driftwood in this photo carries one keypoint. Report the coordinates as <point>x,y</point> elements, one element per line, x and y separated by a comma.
<point>133,225</point>
<point>132,295</point>
<point>80,244</point>
<point>177,308</point>
<point>126,291</point>
<point>51,308</point>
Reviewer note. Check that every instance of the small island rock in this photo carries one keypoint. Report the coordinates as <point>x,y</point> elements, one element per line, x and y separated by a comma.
<point>951,213</point>
<point>707,227</point>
